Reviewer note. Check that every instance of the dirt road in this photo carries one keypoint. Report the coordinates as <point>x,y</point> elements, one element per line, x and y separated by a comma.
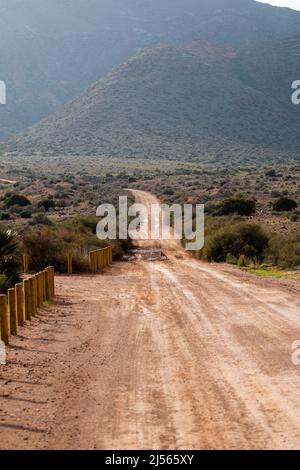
<point>164,355</point>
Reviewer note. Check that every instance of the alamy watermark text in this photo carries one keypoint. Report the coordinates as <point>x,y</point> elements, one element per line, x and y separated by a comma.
<point>2,92</point>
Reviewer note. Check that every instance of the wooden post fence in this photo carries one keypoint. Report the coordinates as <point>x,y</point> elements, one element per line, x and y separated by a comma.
<point>100,258</point>
<point>22,302</point>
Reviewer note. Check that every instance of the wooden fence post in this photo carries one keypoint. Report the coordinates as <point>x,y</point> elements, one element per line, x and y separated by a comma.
<point>25,264</point>
<point>44,285</point>
<point>47,283</point>
<point>69,263</point>
<point>49,269</point>
<point>93,262</point>
<point>19,304</point>
<point>27,305</point>
<point>52,281</point>
<point>35,288</point>
<point>32,297</point>
<point>12,312</point>
<point>4,319</point>
<point>40,289</point>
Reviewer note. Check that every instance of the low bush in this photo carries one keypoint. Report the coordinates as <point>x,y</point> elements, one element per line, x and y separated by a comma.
<point>26,214</point>
<point>5,284</point>
<point>284,251</point>
<point>47,204</point>
<point>235,240</point>
<point>237,205</point>
<point>284,204</point>
<point>16,200</point>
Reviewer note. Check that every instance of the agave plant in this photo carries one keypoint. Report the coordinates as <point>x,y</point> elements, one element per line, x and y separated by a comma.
<point>9,260</point>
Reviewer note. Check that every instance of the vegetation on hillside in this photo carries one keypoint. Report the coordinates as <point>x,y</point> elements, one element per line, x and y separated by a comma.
<point>97,35</point>
<point>193,102</point>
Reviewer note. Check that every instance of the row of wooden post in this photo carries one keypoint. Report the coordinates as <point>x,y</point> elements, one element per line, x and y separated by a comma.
<point>23,301</point>
<point>101,258</point>
<point>69,257</point>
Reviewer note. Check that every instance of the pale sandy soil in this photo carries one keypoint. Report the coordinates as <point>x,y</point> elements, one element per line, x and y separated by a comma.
<point>172,354</point>
<point>2,180</point>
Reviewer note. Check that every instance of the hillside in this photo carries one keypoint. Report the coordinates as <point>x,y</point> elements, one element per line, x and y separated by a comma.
<point>181,102</point>
<point>51,50</point>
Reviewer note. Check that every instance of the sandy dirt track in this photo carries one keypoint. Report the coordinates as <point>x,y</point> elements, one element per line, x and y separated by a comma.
<point>164,355</point>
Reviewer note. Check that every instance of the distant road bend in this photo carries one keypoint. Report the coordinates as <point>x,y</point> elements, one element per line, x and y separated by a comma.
<point>174,354</point>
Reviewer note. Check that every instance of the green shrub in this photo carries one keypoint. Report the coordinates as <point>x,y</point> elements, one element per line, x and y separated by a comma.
<point>241,262</point>
<point>5,284</point>
<point>230,259</point>
<point>47,204</point>
<point>238,239</point>
<point>284,204</point>
<point>271,174</point>
<point>44,249</point>
<point>41,219</point>
<point>88,222</point>
<point>284,251</point>
<point>16,200</point>
<point>48,246</point>
<point>237,205</point>
<point>9,260</point>
<point>25,214</point>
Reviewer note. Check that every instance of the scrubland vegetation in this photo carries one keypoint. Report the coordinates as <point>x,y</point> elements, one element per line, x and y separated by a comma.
<point>249,244</point>
<point>49,206</point>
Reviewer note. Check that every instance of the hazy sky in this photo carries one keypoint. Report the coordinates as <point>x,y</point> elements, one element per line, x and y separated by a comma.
<point>284,3</point>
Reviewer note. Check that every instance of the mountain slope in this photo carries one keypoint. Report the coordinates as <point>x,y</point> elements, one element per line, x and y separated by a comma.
<point>51,50</point>
<point>180,102</point>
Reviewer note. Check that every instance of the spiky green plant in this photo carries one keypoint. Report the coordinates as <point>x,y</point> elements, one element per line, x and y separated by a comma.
<point>9,260</point>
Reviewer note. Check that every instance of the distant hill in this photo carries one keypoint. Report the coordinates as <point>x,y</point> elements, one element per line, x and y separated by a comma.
<point>51,50</point>
<point>168,101</point>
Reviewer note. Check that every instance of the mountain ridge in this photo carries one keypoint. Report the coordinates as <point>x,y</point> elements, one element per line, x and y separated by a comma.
<point>51,51</point>
<point>168,101</point>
